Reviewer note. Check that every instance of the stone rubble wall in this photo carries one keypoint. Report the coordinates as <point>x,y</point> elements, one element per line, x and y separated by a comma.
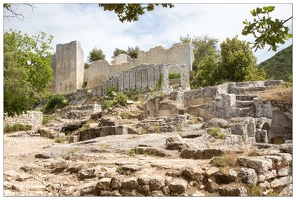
<point>33,118</point>
<point>102,71</point>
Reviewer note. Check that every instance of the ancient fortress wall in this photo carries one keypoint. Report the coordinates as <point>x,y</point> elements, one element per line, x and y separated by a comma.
<point>33,118</point>
<point>101,71</point>
<point>70,75</point>
<point>68,65</point>
<point>143,77</point>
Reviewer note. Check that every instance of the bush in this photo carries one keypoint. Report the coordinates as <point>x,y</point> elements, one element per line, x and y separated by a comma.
<point>56,101</point>
<point>174,75</point>
<point>217,133</point>
<point>16,127</point>
<point>121,98</point>
<point>60,139</point>
<point>125,115</point>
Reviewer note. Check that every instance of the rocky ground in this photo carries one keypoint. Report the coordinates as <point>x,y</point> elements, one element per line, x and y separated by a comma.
<point>123,165</point>
<point>172,157</point>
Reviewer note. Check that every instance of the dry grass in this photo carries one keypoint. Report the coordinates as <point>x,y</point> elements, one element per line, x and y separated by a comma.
<point>277,93</point>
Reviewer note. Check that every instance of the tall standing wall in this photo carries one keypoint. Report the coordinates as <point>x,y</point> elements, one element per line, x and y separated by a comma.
<point>69,67</point>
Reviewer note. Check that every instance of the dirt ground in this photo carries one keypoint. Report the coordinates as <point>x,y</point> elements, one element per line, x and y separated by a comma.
<point>19,151</point>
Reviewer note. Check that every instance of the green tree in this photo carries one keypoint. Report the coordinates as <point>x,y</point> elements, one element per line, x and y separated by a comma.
<point>131,12</point>
<point>203,46</point>
<point>27,71</point>
<point>96,54</point>
<point>118,51</point>
<point>237,60</point>
<point>131,51</point>
<point>208,71</point>
<point>266,30</point>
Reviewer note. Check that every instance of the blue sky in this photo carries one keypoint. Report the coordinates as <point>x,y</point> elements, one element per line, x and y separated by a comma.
<point>93,27</point>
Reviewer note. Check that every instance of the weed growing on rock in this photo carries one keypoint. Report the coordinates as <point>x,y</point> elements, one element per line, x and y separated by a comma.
<point>226,160</point>
<point>216,132</point>
<point>60,140</point>
<point>69,153</point>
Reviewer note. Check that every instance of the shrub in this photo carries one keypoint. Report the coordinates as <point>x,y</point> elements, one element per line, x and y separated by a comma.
<point>121,98</point>
<point>16,127</point>
<point>174,75</point>
<point>216,132</point>
<point>125,115</point>
<point>60,139</point>
<point>56,101</point>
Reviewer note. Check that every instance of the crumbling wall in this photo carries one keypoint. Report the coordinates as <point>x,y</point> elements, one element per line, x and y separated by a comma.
<point>142,78</point>
<point>102,71</point>
<point>33,118</point>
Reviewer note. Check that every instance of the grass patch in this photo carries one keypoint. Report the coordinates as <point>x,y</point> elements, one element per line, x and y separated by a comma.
<point>226,160</point>
<point>125,115</point>
<point>60,140</point>
<point>278,93</point>
<point>16,127</point>
<point>216,132</point>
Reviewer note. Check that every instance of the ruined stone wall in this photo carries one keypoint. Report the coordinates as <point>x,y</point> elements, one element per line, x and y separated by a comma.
<point>68,65</point>
<point>33,118</point>
<point>142,78</point>
<point>102,71</point>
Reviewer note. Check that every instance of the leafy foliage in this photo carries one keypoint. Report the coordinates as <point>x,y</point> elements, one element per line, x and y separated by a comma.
<point>237,61</point>
<point>265,30</point>
<point>131,51</point>
<point>27,71</point>
<point>202,47</point>
<point>115,98</point>
<point>56,101</point>
<point>279,66</point>
<point>174,75</point>
<point>207,73</point>
<point>131,12</point>
<point>95,54</point>
<point>216,132</point>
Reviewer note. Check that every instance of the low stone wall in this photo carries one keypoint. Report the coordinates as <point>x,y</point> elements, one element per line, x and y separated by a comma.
<point>33,118</point>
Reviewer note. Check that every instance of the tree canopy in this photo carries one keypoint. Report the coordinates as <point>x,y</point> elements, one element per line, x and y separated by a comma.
<point>96,54</point>
<point>266,30</point>
<point>234,62</point>
<point>131,51</point>
<point>131,12</point>
<point>10,10</point>
<point>27,70</point>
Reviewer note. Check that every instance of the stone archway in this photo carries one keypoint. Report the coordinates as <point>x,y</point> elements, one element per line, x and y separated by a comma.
<point>184,75</point>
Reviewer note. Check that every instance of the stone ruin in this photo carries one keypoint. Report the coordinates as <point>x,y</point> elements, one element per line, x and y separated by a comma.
<point>123,72</point>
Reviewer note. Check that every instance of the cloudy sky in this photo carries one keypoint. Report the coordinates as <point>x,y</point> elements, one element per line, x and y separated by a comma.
<point>93,27</point>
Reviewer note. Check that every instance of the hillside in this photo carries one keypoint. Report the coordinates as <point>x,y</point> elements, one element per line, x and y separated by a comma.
<point>279,67</point>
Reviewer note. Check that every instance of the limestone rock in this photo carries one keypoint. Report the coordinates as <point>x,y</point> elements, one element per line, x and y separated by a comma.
<point>178,185</point>
<point>248,176</point>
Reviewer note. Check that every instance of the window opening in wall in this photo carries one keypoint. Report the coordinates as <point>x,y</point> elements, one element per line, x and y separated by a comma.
<point>174,77</point>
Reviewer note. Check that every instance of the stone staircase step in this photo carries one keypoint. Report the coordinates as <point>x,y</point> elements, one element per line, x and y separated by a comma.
<point>244,104</point>
<point>245,98</point>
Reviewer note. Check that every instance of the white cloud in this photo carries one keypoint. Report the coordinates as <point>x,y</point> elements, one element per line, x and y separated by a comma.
<point>93,27</point>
